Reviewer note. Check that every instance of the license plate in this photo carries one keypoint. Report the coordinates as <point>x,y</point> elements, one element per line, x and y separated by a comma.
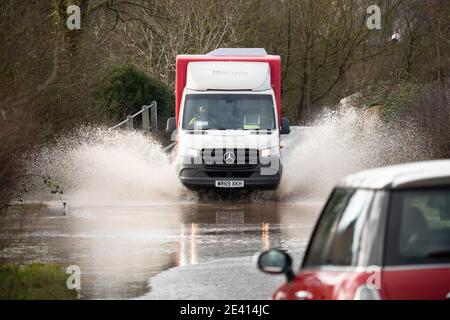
<point>229,184</point>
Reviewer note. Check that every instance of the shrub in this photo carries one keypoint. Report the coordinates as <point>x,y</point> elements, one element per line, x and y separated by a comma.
<point>430,113</point>
<point>426,109</point>
<point>16,136</point>
<point>123,90</point>
<point>393,97</point>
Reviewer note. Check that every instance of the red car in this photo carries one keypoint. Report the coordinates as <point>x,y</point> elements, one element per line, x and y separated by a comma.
<point>383,234</point>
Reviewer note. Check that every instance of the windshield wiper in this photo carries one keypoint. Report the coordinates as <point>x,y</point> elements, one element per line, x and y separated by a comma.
<point>222,129</point>
<point>258,129</point>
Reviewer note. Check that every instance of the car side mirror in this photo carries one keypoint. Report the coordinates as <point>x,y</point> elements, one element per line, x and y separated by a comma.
<point>275,261</point>
<point>171,125</point>
<point>285,129</point>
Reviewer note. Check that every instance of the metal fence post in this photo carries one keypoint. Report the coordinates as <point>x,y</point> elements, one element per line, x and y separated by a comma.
<point>149,118</point>
<point>145,118</point>
<point>130,122</point>
<point>154,118</point>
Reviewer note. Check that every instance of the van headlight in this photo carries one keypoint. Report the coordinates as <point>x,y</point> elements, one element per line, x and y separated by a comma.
<point>189,152</point>
<point>265,153</point>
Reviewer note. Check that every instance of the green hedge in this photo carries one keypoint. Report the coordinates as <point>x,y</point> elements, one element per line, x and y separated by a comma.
<point>124,89</point>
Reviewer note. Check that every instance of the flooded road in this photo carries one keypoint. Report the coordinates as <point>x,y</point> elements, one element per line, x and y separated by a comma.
<point>121,250</point>
<point>135,232</point>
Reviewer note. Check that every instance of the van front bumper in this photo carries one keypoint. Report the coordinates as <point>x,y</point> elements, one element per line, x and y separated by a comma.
<point>197,176</point>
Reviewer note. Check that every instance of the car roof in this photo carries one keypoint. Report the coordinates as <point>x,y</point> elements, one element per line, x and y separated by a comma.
<point>410,175</point>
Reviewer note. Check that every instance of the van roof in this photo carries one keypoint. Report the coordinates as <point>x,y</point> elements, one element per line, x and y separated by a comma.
<point>238,52</point>
<point>410,175</point>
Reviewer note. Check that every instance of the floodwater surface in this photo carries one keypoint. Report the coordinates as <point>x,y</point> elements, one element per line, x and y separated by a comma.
<point>119,249</point>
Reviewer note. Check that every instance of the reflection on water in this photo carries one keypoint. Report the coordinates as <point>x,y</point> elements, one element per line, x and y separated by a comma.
<point>119,248</point>
<point>230,216</point>
<point>266,236</point>
<point>194,229</point>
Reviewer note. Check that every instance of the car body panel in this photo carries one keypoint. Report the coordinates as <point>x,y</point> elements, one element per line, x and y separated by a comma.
<point>324,285</point>
<point>429,283</point>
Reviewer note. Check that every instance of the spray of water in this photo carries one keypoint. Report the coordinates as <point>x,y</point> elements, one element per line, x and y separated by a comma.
<point>343,142</point>
<point>96,166</point>
<point>101,166</point>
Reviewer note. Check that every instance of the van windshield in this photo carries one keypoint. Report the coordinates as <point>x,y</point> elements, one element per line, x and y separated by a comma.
<point>229,111</point>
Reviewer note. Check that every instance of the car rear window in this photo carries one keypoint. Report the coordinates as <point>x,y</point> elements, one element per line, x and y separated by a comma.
<point>337,238</point>
<point>419,227</point>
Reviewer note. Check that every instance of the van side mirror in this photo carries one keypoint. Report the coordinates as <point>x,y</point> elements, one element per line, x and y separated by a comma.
<point>285,129</point>
<point>275,261</point>
<point>171,125</point>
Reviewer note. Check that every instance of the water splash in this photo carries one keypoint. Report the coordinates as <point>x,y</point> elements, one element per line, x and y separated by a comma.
<point>343,142</point>
<point>101,166</point>
<point>97,165</point>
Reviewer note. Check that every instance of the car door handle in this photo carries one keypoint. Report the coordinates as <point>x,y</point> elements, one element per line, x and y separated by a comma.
<point>448,296</point>
<point>304,295</point>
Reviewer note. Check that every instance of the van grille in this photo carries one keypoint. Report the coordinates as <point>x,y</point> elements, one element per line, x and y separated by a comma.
<point>226,158</point>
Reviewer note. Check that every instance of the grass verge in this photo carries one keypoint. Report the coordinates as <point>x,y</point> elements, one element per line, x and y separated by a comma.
<point>34,282</point>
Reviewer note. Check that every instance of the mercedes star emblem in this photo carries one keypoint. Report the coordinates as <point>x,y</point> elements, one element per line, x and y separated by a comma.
<point>229,157</point>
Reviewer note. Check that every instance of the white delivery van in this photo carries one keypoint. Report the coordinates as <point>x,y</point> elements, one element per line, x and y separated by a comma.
<point>228,119</point>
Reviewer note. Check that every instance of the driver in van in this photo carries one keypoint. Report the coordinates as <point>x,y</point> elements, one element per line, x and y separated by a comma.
<point>199,116</point>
